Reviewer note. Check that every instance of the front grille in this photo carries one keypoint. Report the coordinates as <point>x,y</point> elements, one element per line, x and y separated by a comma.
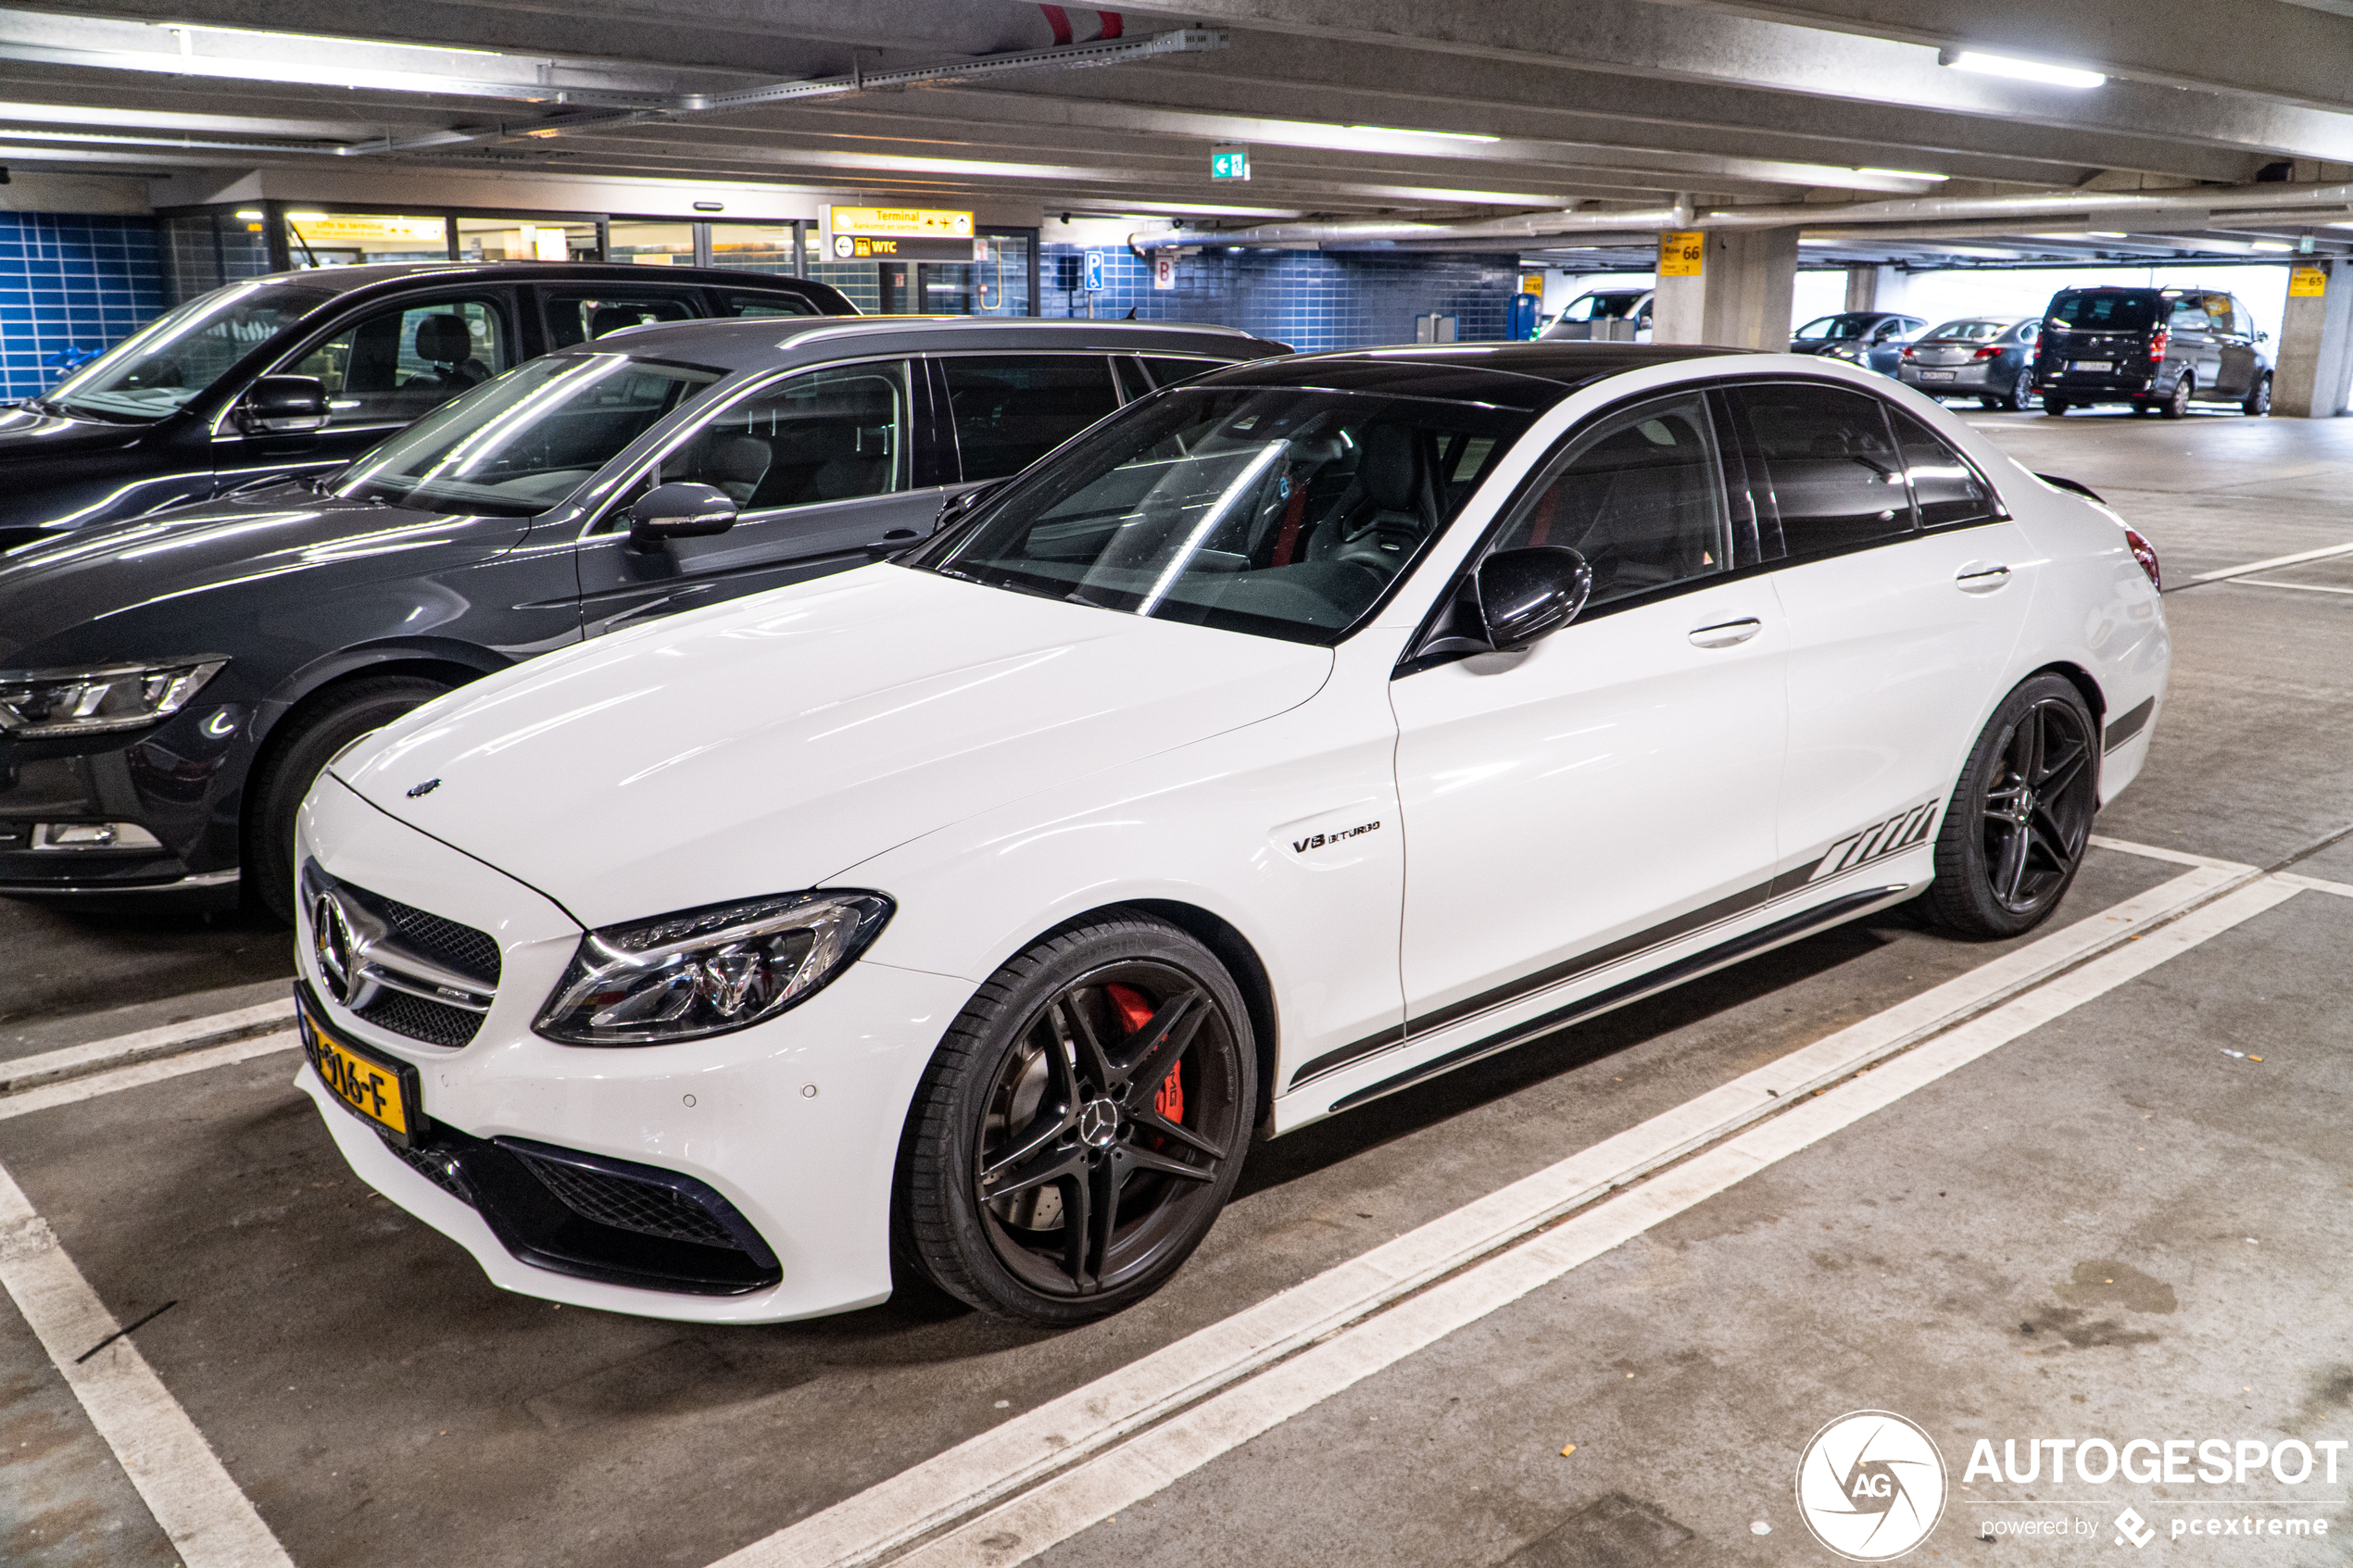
<point>436,1023</point>
<point>460,947</point>
<point>438,1169</point>
<point>628,1204</point>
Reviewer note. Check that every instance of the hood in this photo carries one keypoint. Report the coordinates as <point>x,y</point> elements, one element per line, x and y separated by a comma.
<point>94,592</point>
<point>27,431</point>
<point>766,746</point>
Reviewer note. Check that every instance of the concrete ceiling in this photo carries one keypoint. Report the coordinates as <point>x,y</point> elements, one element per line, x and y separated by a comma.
<point>1353,108</point>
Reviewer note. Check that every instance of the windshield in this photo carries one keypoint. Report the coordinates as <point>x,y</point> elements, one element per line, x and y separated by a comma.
<point>156,371</point>
<point>1280,511</point>
<point>1970,332</point>
<point>2104,312</point>
<point>1827,328</point>
<point>516,446</point>
<point>1601,306</point>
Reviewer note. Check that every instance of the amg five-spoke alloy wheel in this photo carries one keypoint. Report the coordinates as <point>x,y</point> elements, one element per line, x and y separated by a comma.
<point>2015,832</point>
<point>1082,1124</point>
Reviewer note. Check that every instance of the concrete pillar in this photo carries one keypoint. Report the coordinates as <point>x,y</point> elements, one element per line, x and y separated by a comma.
<point>1862,288</point>
<point>2313,367</point>
<point>1741,297</point>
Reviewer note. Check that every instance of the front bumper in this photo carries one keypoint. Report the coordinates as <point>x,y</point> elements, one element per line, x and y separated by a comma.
<point>794,1125</point>
<point>181,780</point>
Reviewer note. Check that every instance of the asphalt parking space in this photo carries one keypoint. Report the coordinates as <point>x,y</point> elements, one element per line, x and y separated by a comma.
<point>2042,1243</point>
<point>380,1403</point>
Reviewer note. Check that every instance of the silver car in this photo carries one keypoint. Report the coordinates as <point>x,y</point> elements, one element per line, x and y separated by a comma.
<point>1988,357</point>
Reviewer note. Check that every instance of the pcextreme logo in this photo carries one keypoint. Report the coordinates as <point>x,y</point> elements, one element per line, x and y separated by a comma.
<point>1871,1486</point>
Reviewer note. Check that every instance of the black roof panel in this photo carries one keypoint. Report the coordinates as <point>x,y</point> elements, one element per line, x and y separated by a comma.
<point>1516,375</point>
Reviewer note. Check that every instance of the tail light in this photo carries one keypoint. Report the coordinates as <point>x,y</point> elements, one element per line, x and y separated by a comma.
<point>2158,341</point>
<point>2146,553</point>
<point>1907,353</point>
<point>1988,352</point>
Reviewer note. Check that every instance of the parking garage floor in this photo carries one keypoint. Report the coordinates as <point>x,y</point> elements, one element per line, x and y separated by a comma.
<point>2100,1194</point>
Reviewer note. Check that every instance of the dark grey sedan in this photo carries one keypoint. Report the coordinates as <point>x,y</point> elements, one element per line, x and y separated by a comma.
<point>170,685</point>
<point>1988,357</point>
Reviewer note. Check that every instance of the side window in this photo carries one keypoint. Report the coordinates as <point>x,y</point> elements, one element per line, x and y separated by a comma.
<point>399,363</point>
<point>835,434</point>
<point>577,317</point>
<point>1012,409</point>
<point>1641,495</point>
<point>748,305</point>
<point>1829,464</point>
<point>1947,490</point>
<point>1167,370</point>
<point>2189,314</point>
<point>2241,323</point>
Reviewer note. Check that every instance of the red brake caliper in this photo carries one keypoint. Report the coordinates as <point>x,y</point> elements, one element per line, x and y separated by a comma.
<point>1134,1013</point>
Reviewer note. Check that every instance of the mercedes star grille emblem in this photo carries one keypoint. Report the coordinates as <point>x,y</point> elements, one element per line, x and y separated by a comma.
<point>338,953</point>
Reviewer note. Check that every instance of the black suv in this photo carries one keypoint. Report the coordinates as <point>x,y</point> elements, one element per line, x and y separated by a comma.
<point>300,373</point>
<point>170,685</point>
<point>2153,348</point>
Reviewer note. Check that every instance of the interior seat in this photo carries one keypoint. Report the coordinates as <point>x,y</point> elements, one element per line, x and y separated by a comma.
<point>446,343</point>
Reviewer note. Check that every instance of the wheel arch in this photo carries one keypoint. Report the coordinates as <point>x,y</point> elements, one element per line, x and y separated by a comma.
<point>1242,960</point>
<point>2082,680</point>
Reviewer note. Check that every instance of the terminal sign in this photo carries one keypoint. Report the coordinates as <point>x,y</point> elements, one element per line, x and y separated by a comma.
<point>903,234</point>
<point>1680,254</point>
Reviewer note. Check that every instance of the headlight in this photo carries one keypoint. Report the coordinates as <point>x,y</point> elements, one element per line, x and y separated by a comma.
<point>705,972</point>
<point>88,702</point>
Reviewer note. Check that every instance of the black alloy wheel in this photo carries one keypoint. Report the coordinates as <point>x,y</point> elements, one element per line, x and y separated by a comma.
<point>2258,399</point>
<point>1082,1124</point>
<point>2014,834</point>
<point>2178,403</point>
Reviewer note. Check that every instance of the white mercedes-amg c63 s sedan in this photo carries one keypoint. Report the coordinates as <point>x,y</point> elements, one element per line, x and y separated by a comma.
<point>1294,735</point>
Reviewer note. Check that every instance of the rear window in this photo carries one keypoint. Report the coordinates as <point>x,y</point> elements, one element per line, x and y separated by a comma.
<point>2105,312</point>
<point>1970,332</point>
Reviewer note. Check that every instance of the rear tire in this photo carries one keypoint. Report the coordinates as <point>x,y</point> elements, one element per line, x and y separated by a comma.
<point>1050,1173</point>
<point>2021,394</point>
<point>2258,401</point>
<point>2054,406</point>
<point>298,752</point>
<point>2020,817</point>
<point>2177,403</point>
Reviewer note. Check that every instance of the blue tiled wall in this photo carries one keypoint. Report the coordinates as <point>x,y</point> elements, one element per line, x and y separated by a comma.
<point>1308,299</point>
<point>69,282</point>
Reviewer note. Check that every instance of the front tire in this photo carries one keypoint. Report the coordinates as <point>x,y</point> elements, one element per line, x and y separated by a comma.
<point>2015,832</point>
<point>2258,401</point>
<point>1082,1123</point>
<point>299,751</point>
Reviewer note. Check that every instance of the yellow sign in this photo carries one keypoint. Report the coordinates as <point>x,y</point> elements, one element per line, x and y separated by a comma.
<point>1680,254</point>
<point>348,227</point>
<point>2309,283</point>
<point>903,222</point>
<point>1531,283</point>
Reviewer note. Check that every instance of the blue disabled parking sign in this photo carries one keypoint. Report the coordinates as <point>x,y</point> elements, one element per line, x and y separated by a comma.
<point>1094,271</point>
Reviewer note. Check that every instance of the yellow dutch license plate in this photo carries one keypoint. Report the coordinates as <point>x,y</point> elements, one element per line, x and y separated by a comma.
<point>376,1089</point>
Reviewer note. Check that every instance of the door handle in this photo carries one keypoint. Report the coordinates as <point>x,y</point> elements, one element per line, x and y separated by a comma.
<point>1726,634</point>
<point>1981,577</point>
<point>901,533</point>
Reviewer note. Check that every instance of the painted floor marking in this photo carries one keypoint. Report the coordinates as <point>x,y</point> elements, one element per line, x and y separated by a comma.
<point>2315,885</point>
<point>71,1090</point>
<point>1121,1477</point>
<point>1030,1446</point>
<point>209,1521</point>
<point>2160,852</point>
<point>2323,553</point>
<point>2299,587</point>
<point>29,1070</point>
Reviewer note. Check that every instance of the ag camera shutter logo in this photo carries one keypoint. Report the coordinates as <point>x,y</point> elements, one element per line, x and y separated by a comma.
<point>1871,1486</point>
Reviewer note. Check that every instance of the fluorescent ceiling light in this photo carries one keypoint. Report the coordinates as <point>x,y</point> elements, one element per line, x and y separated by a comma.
<point>2271,244</point>
<point>1904,174</point>
<point>2024,71</point>
<point>1410,131</point>
<point>251,217</point>
<point>2104,234</point>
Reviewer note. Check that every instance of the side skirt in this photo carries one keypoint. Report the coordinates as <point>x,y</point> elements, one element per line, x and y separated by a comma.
<point>1779,932</point>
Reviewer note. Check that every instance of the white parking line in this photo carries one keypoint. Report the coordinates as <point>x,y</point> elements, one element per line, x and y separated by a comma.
<point>2159,852</point>
<point>209,1521</point>
<point>1101,1485</point>
<point>2299,587</point>
<point>1029,1447</point>
<point>90,1088</point>
<point>28,1069</point>
<point>2324,553</point>
<point>2314,884</point>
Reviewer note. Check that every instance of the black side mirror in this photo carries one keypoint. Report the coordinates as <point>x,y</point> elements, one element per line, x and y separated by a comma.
<point>681,510</point>
<point>1515,598</point>
<point>284,405</point>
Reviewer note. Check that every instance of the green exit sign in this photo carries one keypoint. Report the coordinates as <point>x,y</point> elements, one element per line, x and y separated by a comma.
<point>1227,162</point>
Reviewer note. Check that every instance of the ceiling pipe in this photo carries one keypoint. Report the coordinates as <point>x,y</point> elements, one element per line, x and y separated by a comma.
<point>1108,51</point>
<point>2289,203</point>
